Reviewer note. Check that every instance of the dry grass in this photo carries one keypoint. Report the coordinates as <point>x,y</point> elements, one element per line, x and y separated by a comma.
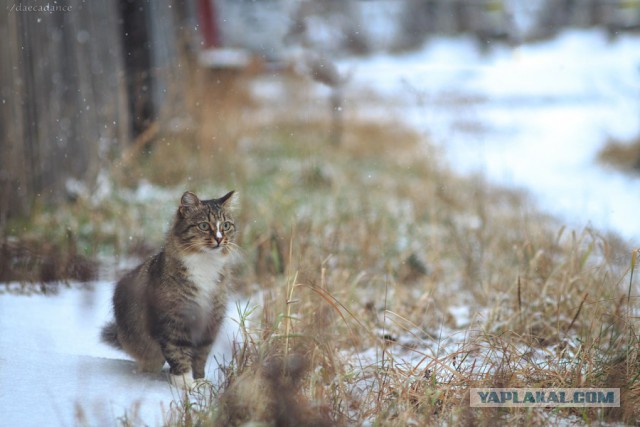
<point>34,262</point>
<point>621,155</point>
<point>361,256</point>
<point>383,286</point>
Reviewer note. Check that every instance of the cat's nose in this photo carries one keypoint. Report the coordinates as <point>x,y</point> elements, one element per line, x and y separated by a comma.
<point>218,238</point>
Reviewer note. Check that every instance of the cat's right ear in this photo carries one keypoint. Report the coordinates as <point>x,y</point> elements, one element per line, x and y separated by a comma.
<point>188,201</point>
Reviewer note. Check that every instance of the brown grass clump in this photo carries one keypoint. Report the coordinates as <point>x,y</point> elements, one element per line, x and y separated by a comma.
<point>41,262</point>
<point>271,391</point>
<point>621,155</point>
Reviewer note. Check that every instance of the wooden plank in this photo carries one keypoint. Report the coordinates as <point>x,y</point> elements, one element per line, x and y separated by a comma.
<point>63,101</point>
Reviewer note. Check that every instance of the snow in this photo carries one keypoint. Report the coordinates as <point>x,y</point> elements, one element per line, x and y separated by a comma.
<point>224,58</point>
<point>52,362</point>
<point>532,117</point>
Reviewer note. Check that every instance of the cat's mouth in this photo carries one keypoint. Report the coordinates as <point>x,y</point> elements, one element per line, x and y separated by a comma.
<point>220,249</point>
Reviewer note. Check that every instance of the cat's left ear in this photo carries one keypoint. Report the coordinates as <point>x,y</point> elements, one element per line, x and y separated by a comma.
<point>188,201</point>
<point>229,200</point>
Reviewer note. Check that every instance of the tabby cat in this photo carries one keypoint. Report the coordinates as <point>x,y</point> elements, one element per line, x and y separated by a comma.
<point>171,306</point>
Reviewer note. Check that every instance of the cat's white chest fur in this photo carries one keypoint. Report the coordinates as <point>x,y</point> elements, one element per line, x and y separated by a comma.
<point>205,271</point>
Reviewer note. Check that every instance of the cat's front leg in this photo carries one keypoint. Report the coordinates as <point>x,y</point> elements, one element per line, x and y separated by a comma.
<point>200,355</point>
<point>179,358</point>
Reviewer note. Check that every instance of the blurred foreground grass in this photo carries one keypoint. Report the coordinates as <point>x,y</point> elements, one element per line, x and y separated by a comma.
<point>381,285</point>
<point>624,156</point>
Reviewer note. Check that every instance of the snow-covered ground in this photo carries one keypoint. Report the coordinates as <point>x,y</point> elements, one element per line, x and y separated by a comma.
<point>532,117</point>
<point>54,367</point>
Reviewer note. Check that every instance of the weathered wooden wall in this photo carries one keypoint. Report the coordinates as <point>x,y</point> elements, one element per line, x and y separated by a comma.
<point>67,97</point>
<point>62,100</point>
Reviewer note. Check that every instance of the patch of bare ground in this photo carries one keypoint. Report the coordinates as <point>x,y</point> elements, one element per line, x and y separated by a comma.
<point>624,156</point>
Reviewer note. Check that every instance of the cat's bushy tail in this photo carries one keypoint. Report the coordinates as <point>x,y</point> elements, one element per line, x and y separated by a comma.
<point>109,335</point>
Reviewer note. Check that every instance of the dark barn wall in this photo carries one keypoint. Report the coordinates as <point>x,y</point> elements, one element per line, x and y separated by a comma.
<point>62,100</point>
<point>75,86</point>
<point>13,174</point>
<point>134,20</point>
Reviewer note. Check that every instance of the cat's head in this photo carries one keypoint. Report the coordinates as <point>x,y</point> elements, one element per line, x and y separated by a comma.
<point>205,225</point>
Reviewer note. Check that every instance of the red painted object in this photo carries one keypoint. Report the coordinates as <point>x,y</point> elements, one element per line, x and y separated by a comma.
<point>208,20</point>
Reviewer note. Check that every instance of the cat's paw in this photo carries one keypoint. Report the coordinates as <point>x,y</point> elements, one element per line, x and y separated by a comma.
<point>184,381</point>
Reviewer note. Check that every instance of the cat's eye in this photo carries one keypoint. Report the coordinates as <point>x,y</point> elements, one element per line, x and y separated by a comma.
<point>204,226</point>
<point>226,226</point>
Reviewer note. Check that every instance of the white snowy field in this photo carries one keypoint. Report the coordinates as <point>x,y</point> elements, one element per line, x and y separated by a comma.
<point>532,117</point>
<point>53,366</point>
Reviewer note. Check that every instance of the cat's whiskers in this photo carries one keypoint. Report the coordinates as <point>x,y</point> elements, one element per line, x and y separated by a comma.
<point>197,246</point>
<point>235,251</point>
<point>192,247</point>
<point>233,246</point>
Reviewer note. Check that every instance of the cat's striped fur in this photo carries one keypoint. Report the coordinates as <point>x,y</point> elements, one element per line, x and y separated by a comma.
<point>170,308</point>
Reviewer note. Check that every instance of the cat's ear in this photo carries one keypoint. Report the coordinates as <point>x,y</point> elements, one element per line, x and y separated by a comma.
<point>188,201</point>
<point>229,200</point>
